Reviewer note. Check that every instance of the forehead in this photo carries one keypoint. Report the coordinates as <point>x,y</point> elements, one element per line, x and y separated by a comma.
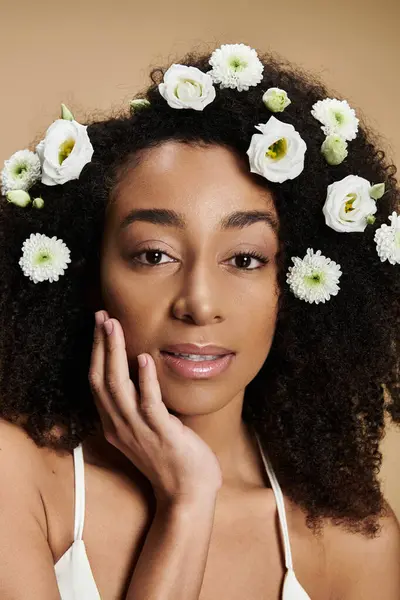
<point>203,182</point>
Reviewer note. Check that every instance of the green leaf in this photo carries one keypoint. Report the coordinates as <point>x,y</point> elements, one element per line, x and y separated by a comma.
<point>66,113</point>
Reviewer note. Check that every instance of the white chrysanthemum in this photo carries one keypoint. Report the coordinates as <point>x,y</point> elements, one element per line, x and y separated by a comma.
<point>187,87</point>
<point>236,66</point>
<point>44,258</point>
<point>20,171</point>
<point>314,278</point>
<point>337,117</point>
<point>387,239</point>
<point>277,153</point>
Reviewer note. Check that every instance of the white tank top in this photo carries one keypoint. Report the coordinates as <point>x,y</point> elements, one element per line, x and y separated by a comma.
<point>74,574</point>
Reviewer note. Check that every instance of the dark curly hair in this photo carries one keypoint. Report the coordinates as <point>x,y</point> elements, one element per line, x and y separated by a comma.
<point>319,400</point>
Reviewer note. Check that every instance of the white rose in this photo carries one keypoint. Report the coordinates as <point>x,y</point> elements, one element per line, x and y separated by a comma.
<point>65,150</point>
<point>334,149</point>
<point>348,204</point>
<point>278,152</point>
<point>275,99</point>
<point>187,87</point>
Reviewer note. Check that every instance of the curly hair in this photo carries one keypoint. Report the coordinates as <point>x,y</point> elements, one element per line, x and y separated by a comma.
<point>320,398</point>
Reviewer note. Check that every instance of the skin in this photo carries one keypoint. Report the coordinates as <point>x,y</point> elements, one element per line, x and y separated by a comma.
<point>198,293</point>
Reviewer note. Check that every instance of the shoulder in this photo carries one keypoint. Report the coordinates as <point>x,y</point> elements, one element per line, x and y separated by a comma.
<point>21,470</point>
<point>364,567</point>
<point>25,554</point>
<point>21,465</point>
<point>15,444</point>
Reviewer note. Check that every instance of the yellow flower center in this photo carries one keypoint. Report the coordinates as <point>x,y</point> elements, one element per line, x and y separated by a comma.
<point>348,207</point>
<point>278,149</point>
<point>65,149</point>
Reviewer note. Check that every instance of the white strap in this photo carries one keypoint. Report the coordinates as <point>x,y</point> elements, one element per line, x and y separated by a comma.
<point>79,468</point>
<point>280,504</point>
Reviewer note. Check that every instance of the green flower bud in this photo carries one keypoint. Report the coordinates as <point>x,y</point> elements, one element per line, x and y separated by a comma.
<point>334,149</point>
<point>66,113</point>
<point>138,104</point>
<point>377,191</point>
<point>19,198</point>
<point>276,100</point>
<point>38,203</point>
<point>371,219</point>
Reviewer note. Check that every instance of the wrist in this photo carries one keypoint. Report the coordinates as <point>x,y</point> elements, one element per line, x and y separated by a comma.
<point>202,499</point>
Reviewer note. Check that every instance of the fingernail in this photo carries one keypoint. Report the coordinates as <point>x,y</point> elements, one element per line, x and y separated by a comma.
<point>99,317</point>
<point>142,360</point>
<point>108,326</point>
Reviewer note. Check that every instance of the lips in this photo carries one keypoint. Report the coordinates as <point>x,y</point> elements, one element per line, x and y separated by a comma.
<point>210,349</point>
<point>190,369</point>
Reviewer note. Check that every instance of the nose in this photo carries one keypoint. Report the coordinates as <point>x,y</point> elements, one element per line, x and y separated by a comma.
<point>200,297</point>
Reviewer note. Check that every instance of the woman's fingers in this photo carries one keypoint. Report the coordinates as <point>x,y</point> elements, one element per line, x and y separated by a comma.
<point>118,402</point>
<point>103,401</point>
<point>135,408</point>
<point>116,373</point>
<point>151,404</point>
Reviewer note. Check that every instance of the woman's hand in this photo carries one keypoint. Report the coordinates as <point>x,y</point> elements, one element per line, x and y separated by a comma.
<point>178,463</point>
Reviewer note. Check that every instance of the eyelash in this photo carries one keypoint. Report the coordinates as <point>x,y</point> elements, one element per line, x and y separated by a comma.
<point>253,253</point>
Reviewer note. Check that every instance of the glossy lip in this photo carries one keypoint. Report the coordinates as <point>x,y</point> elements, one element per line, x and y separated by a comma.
<point>197,369</point>
<point>195,349</point>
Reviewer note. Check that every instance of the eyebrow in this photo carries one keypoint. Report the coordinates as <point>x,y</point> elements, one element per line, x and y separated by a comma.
<point>172,218</point>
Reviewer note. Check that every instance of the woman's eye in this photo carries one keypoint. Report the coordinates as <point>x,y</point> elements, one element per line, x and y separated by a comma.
<point>147,252</point>
<point>245,257</point>
<point>251,256</point>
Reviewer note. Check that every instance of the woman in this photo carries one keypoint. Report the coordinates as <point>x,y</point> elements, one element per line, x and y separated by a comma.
<point>239,207</point>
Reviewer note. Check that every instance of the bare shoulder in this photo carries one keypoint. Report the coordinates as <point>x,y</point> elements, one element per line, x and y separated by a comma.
<point>24,552</point>
<point>20,461</point>
<point>18,452</point>
<point>365,567</point>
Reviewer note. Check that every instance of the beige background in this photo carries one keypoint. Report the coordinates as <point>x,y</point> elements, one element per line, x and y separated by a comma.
<point>94,54</point>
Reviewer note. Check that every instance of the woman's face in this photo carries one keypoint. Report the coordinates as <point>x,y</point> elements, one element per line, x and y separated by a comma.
<point>192,289</point>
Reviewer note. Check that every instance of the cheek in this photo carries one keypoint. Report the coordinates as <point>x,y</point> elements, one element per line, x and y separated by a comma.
<point>256,326</point>
<point>131,304</point>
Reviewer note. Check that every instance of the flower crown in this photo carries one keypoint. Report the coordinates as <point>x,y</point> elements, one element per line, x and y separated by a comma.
<point>276,153</point>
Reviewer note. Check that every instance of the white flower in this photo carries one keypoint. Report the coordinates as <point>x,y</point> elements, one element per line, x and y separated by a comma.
<point>18,197</point>
<point>334,149</point>
<point>20,171</point>
<point>187,87</point>
<point>277,153</point>
<point>275,99</point>
<point>348,204</point>
<point>236,66</point>
<point>65,150</point>
<point>387,239</point>
<point>336,116</point>
<point>44,258</point>
<point>314,278</point>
